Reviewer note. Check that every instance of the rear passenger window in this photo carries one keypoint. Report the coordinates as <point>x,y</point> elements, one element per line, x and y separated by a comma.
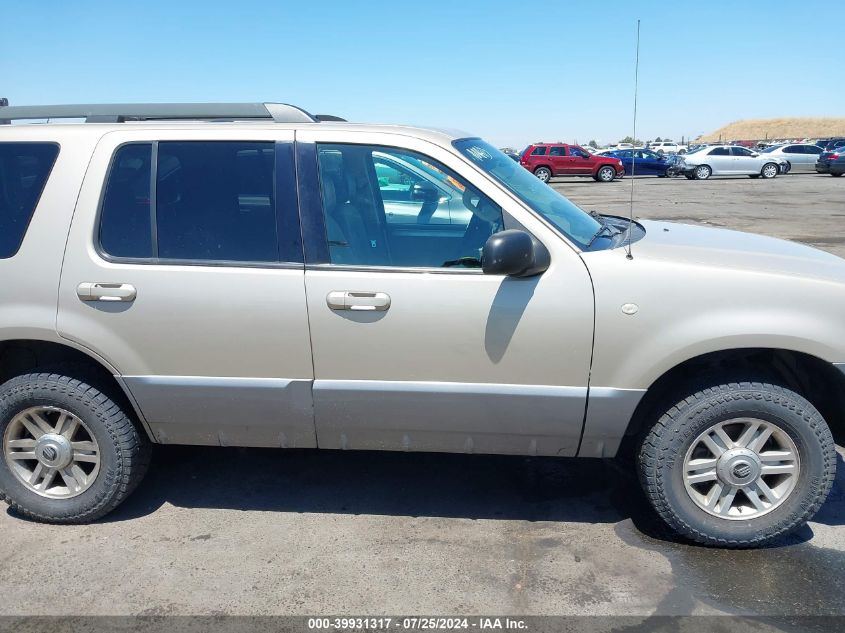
<point>557,151</point>
<point>213,201</point>
<point>539,151</point>
<point>24,169</point>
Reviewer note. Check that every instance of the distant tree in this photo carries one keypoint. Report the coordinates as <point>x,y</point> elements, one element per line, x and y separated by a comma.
<point>593,144</point>
<point>631,140</point>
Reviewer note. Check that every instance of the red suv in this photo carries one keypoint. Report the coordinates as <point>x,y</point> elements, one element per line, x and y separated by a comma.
<point>545,160</point>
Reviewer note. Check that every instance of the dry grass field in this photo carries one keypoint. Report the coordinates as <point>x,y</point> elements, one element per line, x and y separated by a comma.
<point>788,127</point>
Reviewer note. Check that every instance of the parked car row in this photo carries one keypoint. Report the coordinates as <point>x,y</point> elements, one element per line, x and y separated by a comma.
<point>696,162</point>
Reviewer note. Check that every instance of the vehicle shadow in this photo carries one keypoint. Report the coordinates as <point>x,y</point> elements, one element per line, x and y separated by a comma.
<point>410,484</point>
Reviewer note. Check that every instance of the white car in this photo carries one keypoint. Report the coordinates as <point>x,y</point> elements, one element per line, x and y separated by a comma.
<point>668,147</point>
<point>728,160</point>
<point>800,156</point>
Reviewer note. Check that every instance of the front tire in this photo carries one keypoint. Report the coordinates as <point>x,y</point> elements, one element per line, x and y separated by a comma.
<point>605,174</point>
<point>70,453</point>
<point>702,172</point>
<point>738,464</point>
<point>770,170</point>
<point>543,173</point>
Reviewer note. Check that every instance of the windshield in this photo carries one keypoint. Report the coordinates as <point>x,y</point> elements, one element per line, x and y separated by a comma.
<point>570,220</point>
<point>769,150</point>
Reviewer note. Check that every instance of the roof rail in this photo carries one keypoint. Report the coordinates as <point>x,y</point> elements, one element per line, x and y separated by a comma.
<point>122,112</point>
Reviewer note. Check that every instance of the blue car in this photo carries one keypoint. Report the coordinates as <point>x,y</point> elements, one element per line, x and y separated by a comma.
<point>646,162</point>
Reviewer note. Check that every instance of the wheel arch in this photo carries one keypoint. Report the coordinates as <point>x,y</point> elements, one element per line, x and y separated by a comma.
<point>22,356</point>
<point>817,380</point>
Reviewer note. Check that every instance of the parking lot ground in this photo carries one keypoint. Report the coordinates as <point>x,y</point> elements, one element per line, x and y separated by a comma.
<point>807,208</point>
<point>253,531</point>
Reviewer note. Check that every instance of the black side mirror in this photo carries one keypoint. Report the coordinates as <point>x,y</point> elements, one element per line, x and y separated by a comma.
<point>514,253</point>
<point>425,192</point>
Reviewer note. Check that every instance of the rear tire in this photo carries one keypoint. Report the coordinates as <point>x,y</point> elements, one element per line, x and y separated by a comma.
<point>700,492</point>
<point>87,454</point>
<point>543,173</point>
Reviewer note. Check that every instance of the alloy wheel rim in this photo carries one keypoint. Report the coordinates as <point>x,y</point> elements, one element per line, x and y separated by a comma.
<point>543,175</point>
<point>51,452</point>
<point>770,171</point>
<point>741,469</point>
<point>606,175</point>
<point>702,172</point>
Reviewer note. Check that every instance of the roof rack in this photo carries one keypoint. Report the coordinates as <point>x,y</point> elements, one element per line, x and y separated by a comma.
<point>122,112</point>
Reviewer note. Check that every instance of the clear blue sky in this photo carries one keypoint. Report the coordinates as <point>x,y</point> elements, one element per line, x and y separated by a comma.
<point>513,72</point>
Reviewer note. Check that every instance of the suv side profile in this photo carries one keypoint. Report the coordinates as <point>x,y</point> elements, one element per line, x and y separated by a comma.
<point>668,147</point>
<point>253,275</point>
<point>548,160</point>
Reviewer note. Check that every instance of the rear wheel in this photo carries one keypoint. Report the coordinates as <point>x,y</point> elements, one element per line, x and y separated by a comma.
<point>702,172</point>
<point>543,173</point>
<point>70,453</point>
<point>770,170</point>
<point>738,464</point>
<point>605,174</point>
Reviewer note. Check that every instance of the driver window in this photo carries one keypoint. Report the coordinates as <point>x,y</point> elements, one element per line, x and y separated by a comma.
<point>389,207</point>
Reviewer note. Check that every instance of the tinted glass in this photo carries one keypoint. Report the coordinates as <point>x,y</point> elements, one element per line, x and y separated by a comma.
<point>812,149</point>
<point>539,151</point>
<point>125,214</point>
<point>570,220</point>
<point>719,151</point>
<point>388,207</point>
<point>215,202</point>
<point>24,169</point>
<point>557,151</point>
<point>793,149</point>
<point>740,151</point>
<point>577,152</point>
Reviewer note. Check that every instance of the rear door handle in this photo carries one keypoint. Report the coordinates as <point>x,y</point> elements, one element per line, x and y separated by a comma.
<point>93,291</point>
<point>359,301</point>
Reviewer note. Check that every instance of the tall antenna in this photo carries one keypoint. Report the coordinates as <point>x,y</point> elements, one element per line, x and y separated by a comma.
<point>634,151</point>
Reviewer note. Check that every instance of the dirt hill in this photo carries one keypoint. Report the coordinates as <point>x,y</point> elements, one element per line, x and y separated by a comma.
<point>753,129</point>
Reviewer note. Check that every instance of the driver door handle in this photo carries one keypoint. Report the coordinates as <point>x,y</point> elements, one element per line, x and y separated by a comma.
<point>358,300</point>
<point>92,291</point>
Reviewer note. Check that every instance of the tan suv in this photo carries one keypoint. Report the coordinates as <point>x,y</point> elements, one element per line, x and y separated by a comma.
<point>252,275</point>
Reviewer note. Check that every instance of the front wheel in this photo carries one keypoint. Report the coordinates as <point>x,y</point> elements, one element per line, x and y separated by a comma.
<point>543,173</point>
<point>70,453</point>
<point>835,175</point>
<point>738,464</point>
<point>702,172</point>
<point>605,174</point>
<point>770,170</point>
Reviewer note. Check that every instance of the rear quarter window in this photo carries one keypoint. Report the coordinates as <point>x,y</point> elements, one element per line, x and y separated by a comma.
<point>24,170</point>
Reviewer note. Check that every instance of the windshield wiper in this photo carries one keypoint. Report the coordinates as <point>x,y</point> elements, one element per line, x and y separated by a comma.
<point>606,227</point>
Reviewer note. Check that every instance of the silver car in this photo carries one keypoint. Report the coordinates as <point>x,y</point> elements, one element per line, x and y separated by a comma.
<point>728,160</point>
<point>799,156</point>
<point>230,275</point>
